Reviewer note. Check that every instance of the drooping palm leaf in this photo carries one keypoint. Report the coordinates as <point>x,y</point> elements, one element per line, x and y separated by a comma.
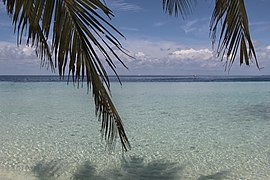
<point>234,32</point>
<point>76,34</point>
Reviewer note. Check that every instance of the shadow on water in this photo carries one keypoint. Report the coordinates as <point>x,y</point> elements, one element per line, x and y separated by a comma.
<point>131,169</point>
<point>217,176</point>
<point>86,171</point>
<point>46,170</point>
<point>259,111</point>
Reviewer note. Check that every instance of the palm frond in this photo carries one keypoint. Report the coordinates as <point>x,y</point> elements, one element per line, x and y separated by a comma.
<point>184,7</point>
<point>81,38</point>
<point>25,16</point>
<point>234,32</point>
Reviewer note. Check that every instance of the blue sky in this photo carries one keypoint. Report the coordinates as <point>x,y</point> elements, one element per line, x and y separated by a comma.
<point>161,45</point>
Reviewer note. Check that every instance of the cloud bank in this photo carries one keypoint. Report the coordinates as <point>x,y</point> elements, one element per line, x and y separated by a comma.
<point>19,60</point>
<point>150,57</point>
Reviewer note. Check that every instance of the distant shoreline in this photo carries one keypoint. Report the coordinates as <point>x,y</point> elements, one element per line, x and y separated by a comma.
<point>144,78</point>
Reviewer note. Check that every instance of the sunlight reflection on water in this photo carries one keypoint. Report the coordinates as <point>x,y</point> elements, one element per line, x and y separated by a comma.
<point>177,131</point>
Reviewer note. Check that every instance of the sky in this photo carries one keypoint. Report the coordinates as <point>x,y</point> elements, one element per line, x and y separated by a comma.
<point>161,44</point>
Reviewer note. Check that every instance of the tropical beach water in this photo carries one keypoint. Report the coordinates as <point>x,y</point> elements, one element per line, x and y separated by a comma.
<point>177,129</point>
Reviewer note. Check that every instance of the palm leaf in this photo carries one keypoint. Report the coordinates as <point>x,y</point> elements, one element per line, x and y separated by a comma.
<point>184,7</point>
<point>234,33</point>
<point>80,38</point>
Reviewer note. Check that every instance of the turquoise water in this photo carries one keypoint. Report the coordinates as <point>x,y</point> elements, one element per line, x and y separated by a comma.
<point>178,130</point>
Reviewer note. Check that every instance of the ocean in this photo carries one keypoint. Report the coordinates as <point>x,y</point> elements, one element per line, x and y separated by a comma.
<point>179,127</point>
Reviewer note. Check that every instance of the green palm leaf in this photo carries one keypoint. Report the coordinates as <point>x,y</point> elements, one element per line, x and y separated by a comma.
<point>234,33</point>
<point>80,38</point>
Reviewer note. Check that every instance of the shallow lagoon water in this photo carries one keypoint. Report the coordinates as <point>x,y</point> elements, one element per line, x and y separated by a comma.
<point>178,130</point>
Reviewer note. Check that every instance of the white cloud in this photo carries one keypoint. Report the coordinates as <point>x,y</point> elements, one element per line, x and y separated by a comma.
<point>189,26</point>
<point>10,51</point>
<point>260,26</point>
<point>150,57</point>
<point>19,60</point>
<point>129,29</point>
<point>121,5</point>
<point>196,25</point>
<point>263,56</point>
<point>192,54</point>
<point>167,57</point>
<point>139,54</point>
<point>161,23</point>
<point>199,58</point>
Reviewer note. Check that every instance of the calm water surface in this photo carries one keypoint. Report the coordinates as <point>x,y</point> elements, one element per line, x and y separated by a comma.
<point>178,130</point>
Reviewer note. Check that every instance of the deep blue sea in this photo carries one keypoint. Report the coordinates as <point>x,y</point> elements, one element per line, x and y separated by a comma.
<point>180,127</point>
